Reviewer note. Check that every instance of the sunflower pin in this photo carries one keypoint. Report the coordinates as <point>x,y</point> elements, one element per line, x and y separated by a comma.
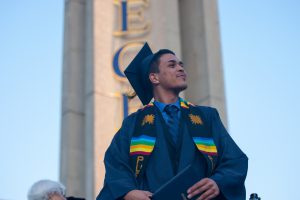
<point>148,119</point>
<point>195,119</point>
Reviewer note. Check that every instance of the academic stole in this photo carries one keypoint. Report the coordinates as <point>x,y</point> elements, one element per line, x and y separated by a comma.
<point>144,136</point>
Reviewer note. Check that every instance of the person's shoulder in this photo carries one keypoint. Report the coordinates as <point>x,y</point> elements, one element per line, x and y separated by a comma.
<point>126,128</point>
<point>128,124</point>
<point>206,109</point>
<point>75,198</point>
<point>131,118</point>
<point>209,113</point>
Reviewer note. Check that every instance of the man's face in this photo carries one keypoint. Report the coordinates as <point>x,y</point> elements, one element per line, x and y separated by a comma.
<point>171,74</point>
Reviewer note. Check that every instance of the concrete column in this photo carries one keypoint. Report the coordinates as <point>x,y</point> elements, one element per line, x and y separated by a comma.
<point>201,50</point>
<point>72,158</point>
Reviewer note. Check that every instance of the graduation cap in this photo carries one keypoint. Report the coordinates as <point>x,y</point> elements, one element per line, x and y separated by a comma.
<point>137,72</point>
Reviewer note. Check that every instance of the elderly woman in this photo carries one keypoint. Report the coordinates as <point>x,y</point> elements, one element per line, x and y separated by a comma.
<point>47,190</point>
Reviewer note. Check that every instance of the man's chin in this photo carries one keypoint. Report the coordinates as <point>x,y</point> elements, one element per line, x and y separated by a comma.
<point>182,88</point>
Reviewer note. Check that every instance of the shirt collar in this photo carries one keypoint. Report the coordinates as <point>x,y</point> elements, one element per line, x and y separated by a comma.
<point>161,106</point>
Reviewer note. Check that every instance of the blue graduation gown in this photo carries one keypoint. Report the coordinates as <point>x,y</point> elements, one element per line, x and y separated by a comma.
<point>229,174</point>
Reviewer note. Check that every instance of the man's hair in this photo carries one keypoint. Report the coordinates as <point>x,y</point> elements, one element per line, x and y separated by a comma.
<point>155,61</point>
<point>42,189</point>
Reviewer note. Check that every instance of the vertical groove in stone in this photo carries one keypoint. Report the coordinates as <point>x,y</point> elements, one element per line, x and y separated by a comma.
<point>89,104</point>
<point>72,158</point>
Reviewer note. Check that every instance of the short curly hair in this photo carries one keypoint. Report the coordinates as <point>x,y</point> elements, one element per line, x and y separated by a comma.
<point>42,189</point>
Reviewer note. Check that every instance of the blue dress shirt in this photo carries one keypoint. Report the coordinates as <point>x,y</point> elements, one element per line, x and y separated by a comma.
<point>161,106</point>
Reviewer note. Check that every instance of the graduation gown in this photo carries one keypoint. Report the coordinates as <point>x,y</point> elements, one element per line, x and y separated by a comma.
<point>229,173</point>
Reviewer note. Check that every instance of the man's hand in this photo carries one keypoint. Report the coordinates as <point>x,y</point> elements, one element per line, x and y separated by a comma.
<point>138,195</point>
<point>206,187</point>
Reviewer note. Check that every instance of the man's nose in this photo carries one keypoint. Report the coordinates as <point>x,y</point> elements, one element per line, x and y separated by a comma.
<point>180,67</point>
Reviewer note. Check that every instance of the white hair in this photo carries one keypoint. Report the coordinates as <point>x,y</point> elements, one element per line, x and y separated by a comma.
<point>43,188</point>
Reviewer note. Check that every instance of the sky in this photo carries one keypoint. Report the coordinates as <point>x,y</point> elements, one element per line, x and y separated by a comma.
<point>260,50</point>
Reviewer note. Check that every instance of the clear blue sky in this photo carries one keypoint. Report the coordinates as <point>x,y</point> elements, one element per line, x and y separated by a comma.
<point>261,60</point>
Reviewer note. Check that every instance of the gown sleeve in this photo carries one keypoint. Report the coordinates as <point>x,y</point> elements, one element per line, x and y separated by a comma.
<point>119,176</point>
<point>231,169</point>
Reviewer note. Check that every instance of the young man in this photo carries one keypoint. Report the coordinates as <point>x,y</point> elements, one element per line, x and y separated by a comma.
<point>163,138</point>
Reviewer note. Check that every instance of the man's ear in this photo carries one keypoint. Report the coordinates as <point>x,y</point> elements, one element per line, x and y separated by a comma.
<point>153,77</point>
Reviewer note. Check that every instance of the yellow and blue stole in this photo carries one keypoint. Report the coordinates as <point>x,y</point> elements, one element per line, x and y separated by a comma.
<point>144,136</point>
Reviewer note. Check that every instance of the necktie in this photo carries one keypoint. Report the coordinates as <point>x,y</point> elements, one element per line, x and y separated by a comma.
<point>172,121</point>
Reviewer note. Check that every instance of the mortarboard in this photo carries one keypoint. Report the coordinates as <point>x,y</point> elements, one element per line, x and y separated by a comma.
<point>137,72</point>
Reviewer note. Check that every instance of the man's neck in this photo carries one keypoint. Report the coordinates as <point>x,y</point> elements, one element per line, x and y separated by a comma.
<point>166,97</point>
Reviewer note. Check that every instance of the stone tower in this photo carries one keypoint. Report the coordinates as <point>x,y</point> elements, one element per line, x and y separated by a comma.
<point>100,39</point>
